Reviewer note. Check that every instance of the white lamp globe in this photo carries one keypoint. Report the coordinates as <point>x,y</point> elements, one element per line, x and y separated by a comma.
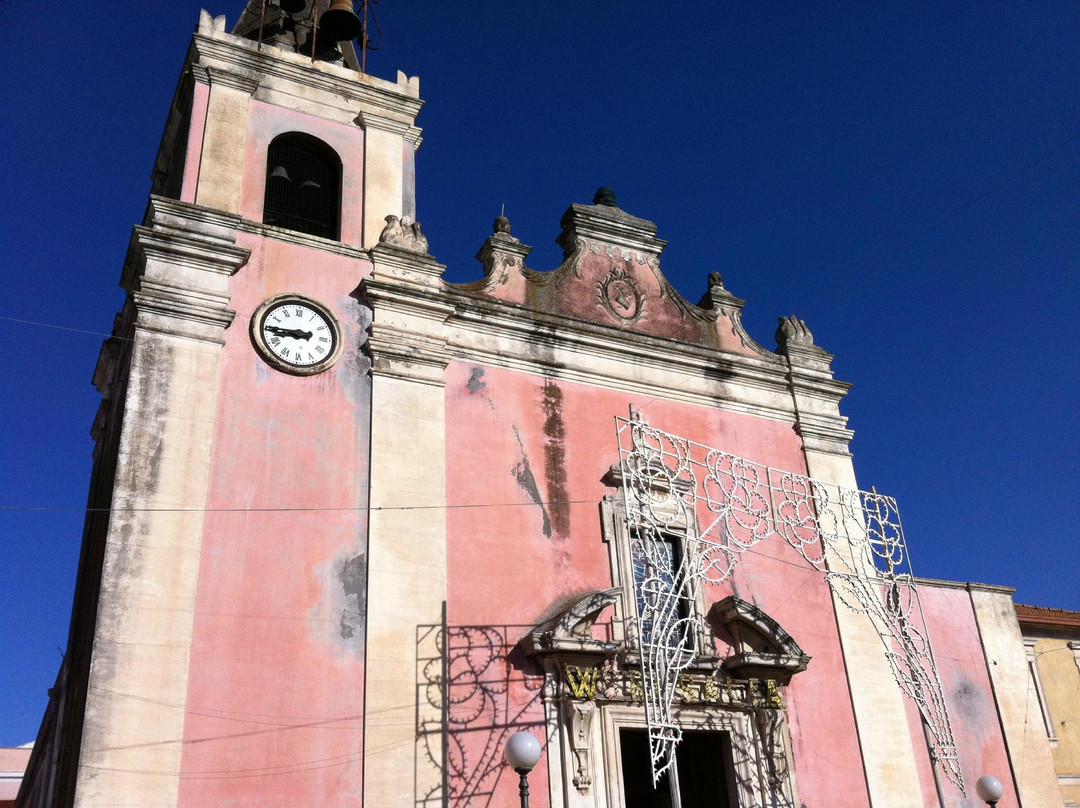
<point>989,788</point>
<point>522,751</point>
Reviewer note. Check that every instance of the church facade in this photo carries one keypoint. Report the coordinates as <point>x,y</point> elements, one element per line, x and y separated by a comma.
<point>353,526</point>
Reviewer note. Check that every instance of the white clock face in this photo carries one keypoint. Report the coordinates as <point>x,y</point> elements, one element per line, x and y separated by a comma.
<point>300,335</point>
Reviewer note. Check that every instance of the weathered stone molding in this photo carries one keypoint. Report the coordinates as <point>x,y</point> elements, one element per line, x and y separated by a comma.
<point>764,649</point>
<point>608,225</point>
<point>226,78</point>
<point>815,393</point>
<point>177,270</point>
<point>342,93</point>
<point>325,245</point>
<point>570,631</point>
<point>420,360</point>
<point>504,335</point>
<point>395,264</point>
<point>409,337</point>
<point>501,255</point>
<point>370,119</point>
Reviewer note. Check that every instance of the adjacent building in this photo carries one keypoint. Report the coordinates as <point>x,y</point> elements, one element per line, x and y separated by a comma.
<point>353,526</point>
<point>13,762</point>
<point>1052,645</point>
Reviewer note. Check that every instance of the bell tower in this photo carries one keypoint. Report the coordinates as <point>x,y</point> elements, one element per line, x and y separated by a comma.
<point>220,616</point>
<point>237,94</point>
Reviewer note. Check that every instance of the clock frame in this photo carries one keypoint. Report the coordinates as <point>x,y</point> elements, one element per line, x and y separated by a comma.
<point>296,334</point>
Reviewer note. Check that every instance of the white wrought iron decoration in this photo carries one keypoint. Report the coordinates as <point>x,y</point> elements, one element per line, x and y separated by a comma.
<point>719,505</point>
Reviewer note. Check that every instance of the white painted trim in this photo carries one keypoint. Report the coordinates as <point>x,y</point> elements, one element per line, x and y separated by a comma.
<point>1044,707</point>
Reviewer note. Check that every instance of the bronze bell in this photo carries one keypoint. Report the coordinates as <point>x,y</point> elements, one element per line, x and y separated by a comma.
<point>340,21</point>
<point>292,6</point>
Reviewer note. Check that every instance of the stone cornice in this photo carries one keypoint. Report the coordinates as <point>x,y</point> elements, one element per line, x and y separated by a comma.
<point>334,86</point>
<point>398,265</point>
<point>403,355</point>
<point>302,239</point>
<point>610,226</point>
<point>177,270</point>
<point>391,297</point>
<point>499,333</point>
<point>500,243</point>
<point>970,586</point>
<point>373,120</point>
<point>825,434</point>
<point>504,335</point>
<point>810,356</point>
<point>549,330</point>
<point>815,393</point>
<point>206,74</point>
<point>408,336</point>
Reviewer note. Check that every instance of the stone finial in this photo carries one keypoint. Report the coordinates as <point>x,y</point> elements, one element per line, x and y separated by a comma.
<point>502,225</point>
<point>716,280</point>
<point>208,24</point>
<point>793,331</point>
<point>605,196</point>
<point>404,233</point>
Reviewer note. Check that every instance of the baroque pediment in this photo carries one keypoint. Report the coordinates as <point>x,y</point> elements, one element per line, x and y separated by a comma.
<point>763,650</point>
<point>610,276</point>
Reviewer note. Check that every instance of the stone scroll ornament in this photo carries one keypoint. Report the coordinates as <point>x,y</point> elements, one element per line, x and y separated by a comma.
<point>723,504</point>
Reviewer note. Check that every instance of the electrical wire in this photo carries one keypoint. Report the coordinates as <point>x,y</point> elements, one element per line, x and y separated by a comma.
<point>344,509</point>
<point>61,327</point>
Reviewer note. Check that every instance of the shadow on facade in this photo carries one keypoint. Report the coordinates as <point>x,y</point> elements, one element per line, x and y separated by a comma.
<point>475,688</point>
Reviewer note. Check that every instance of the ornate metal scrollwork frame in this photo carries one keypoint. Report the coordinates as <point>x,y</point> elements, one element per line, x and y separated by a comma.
<point>854,538</point>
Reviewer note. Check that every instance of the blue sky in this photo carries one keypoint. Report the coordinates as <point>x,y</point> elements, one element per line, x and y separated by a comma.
<point>905,176</point>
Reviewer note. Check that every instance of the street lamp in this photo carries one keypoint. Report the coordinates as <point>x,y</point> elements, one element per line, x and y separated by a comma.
<point>989,789</point>
<point>522,753</point>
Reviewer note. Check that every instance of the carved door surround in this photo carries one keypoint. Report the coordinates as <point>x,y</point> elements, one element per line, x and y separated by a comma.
<point>592,691</point>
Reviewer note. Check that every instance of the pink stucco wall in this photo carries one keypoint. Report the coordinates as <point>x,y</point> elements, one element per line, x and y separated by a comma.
<point>192,159</point>
<point>275,692</point>
<point>969,696</point>
<point>519,439</point>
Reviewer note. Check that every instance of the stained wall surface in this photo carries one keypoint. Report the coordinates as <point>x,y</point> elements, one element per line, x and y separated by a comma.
<point>524,536</point>
<point>954,635</point>
<point>276,691</point>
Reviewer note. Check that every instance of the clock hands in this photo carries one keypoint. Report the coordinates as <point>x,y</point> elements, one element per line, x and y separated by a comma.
<point>295,333</point>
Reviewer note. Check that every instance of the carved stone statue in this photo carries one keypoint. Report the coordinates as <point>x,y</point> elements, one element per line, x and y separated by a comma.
<point>793,331</point>
<point>404,233</point>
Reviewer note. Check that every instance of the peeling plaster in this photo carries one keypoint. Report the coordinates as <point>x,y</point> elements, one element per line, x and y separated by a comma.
<point>522,472</point>
<point>476,383</point>
<point>350,600</point>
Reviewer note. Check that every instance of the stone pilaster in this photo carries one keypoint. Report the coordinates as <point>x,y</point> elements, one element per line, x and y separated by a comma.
<point>407,532</point>
<point>389,177</point>
<point>177,275</point>
<point>878,703</point>
<point>221,161</point>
